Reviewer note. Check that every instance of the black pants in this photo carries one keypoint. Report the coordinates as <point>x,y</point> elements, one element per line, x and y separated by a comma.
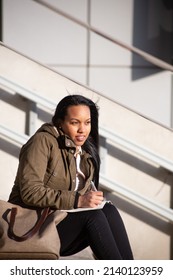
<point>103,230</point>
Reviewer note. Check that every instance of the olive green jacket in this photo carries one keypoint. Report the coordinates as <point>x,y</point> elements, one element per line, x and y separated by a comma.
<point>46,173</point>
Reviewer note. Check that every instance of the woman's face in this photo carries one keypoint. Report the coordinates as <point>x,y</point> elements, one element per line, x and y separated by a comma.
<point>77,123</point>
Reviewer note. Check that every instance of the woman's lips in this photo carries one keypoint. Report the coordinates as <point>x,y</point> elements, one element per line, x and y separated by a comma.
<point>80,138</point>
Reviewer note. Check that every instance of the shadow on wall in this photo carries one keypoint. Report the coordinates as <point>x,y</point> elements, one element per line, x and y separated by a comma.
<point>23,104</point>
<point>158,173</point>
<point>152,33</point>
<point>126,206</point>
<point>144,216</point>
<point>161,174</point>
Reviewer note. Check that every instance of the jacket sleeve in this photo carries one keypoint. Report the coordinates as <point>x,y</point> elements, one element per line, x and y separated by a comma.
<point>33,163</point>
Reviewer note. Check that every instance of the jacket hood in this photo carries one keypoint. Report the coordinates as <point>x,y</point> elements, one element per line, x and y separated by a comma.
<point>63,140</point>
<point>48,127</point>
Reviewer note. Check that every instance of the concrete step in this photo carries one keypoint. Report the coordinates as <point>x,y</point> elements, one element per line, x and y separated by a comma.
<point>85,254</point>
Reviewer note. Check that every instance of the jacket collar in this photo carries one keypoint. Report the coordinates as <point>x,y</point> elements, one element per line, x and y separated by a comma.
<point>63,140</point>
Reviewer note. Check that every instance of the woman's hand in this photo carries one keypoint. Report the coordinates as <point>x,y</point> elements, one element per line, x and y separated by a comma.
<point>90,199</point>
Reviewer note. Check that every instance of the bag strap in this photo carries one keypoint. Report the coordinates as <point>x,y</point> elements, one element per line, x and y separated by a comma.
<point>32,231</point>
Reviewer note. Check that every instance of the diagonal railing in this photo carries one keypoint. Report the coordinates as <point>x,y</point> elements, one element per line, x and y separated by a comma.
<point>106,183</point>
<point>150,58</point>
<point>107,134</point>
<point>149,204</point>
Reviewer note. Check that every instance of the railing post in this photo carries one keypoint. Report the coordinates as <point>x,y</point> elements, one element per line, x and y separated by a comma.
<point>171,117</point>
<point>31,118</point>
<point>103,154</point>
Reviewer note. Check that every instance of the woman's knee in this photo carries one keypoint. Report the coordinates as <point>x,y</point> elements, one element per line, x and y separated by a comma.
<point>95,216</point>
<point>110,209</point>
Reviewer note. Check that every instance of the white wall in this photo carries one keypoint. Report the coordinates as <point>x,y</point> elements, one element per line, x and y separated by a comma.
<point>50,39</point>
<point>113,71</point>
<point>126,168</point>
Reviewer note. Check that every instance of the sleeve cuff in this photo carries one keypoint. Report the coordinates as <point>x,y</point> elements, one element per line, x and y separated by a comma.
<point>76,200</point>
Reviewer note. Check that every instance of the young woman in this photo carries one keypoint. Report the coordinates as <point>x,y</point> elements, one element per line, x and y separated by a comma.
<point>58,167</point>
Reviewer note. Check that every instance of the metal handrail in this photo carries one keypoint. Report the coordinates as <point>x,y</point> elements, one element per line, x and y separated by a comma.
<point>27,93</point>
<point>137,149</point>
<point>114,137</point>
<point>13,135</point>
<point>150,58</point>
<point>114,187</point>
<point>141,200</point>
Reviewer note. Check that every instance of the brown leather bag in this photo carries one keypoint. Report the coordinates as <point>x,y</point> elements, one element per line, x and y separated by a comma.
<point>27,233</point>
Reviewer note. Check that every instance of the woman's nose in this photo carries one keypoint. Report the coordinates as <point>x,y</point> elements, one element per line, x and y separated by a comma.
<point>81,128</point>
